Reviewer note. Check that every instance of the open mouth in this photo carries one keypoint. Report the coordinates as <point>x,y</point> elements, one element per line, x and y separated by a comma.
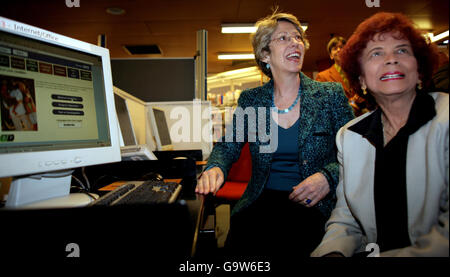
<point>392,76</point>
<point>293,56</point>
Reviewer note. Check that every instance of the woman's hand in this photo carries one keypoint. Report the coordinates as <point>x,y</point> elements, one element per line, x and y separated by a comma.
<point>210,181</point>
<point>311,190</point>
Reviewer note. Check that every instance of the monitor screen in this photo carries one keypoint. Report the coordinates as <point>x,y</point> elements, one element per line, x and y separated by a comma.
<point>126,127</point>
<point>160,129</point>
<point>52,98</point>
<point>57,104</point>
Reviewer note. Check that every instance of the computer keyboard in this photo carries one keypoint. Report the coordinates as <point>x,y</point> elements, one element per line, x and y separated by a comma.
<point>140,192</point>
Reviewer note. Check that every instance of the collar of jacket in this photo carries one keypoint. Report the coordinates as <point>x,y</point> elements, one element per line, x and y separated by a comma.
<point>422,111</point>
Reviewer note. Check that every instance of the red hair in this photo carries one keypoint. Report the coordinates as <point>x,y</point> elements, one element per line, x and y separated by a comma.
<point>425,53</point>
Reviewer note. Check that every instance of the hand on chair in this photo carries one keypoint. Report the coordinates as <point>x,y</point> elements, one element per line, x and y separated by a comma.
<point>210,181</point>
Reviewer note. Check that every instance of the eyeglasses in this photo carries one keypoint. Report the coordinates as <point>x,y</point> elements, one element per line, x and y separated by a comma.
<point>284,38</point>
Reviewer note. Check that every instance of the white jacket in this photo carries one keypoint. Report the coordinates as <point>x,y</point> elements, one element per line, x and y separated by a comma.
<point>352,224</point>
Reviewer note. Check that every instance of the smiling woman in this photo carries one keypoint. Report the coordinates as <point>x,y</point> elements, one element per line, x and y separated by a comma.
<point>389,68</point>
<point>382,24</point>
<point>291,191</point>
<point>394,161</point>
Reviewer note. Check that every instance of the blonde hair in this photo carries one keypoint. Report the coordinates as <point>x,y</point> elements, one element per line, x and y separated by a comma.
<point>263,35</point>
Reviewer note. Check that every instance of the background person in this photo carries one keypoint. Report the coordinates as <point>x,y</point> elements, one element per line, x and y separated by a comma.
<point>394,162</point>
<point>336,74</point>
<point>291,191</point>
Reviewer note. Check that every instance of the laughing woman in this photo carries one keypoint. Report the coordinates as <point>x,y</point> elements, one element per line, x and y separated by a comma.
<point>393,188</point>
<point>291,191</point>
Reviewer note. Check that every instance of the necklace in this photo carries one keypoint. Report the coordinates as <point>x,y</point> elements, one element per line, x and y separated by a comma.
<point>288,109</point>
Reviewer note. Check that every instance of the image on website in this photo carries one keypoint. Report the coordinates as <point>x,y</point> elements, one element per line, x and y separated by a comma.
<point>18,111</point>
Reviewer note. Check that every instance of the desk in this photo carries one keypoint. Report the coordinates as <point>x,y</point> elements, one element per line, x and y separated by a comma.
<point>164,233</point>
<point>195,205</point>
<point>186,170</point>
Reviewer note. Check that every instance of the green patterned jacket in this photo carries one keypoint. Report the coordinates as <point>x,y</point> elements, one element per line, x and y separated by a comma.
<point>324,109</point>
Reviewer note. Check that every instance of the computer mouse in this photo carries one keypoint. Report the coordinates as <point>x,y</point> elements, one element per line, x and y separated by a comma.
<point>152,176</point>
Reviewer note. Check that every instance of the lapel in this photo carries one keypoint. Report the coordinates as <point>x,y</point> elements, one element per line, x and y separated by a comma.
<point>264,99</point>
<point>309,106</point>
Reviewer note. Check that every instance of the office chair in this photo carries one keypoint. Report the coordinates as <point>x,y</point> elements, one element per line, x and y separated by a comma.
<point>235,185</point>
<point>238,177</point>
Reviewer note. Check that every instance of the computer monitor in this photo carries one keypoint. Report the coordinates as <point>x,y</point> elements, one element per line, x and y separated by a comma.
<point>190,124</point>
<point>160,129</point>
<point>126,127</point>
<point>57,110</point>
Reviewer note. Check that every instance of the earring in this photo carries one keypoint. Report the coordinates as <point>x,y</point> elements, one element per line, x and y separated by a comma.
<point>267,66</point>
<point>364,91</point>
<point>419,84</point>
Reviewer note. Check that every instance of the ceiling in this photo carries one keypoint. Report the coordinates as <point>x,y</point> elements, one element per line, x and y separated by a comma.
<point>172,24</point>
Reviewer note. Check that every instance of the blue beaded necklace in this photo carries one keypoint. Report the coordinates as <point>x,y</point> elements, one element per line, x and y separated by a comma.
<point>291,107</point>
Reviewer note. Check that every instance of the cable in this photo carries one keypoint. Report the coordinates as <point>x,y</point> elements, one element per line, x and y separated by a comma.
<point>83,172</point>
<point>79,182</point>
<point>91,195</point>
<point>82,188</point>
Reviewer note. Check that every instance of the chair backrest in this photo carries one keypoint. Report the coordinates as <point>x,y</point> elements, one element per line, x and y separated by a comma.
<point>241,171</point>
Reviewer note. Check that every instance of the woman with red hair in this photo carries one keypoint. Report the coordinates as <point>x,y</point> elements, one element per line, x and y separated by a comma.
<point>394,164</point>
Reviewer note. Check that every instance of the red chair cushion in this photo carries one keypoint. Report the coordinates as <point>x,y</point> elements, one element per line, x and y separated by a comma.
<point>232,190</point>
<point>238,177</point>
<point>241,171</point>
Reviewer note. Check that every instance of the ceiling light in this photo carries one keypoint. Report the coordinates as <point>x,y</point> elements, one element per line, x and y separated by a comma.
<point>238,28</point>
<point>246,28</point>
<point>304,26</point>
<point>445,41</point>
<point>434,38</point>
<point>236,56</point>
<point>241,71</point>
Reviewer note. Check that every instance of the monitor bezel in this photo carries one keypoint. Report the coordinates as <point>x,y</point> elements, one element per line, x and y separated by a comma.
<point>22,164</point>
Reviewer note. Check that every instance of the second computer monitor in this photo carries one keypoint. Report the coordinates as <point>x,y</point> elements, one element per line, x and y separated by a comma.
<point>160,129</point>
<point>126,126</point>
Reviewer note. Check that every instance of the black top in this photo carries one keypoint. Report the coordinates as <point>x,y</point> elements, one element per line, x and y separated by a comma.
<point>390,189</point>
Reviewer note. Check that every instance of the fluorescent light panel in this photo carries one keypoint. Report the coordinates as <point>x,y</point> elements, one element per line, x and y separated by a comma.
<point>238,28</point>
<point>236,56</point>
<point>434,38</point>
<point>245,28</point>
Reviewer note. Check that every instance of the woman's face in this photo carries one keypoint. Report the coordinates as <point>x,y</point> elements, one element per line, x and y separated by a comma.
<point>287,50</point>
<point>389,66</point>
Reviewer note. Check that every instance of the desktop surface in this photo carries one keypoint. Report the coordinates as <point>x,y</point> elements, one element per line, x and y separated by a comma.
<point>161,235</point>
